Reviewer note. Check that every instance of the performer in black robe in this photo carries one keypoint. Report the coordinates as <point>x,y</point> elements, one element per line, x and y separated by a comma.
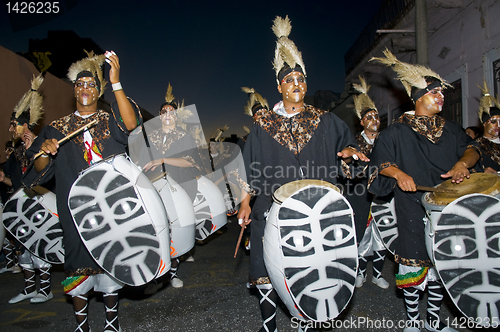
<point>108,137</point>
<point>290,142</point>
<point>420,148</point>
<point>355,190</point>
<point>489,114</point>
<point>173,151</point>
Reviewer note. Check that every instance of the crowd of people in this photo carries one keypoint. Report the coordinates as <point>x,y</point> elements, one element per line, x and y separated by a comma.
<point>420,148</point>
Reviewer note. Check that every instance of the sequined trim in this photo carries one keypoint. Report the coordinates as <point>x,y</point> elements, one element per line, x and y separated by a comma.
<point>163,141</point>
<point>411,279</point>
<point>364,146</point>
<point>294,132</point>
<point>490,148</point>
<point>100,132</point>
<point>235,178</point>
<point>412,261</point>
<point>429,126</point>
<point>84,271</point>
<point>71,283</point>
<point>261,281</point>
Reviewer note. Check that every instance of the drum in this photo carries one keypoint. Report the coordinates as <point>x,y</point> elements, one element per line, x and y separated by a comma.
<point>31,217</point>
<point>121,220</point>
<point>383,211</point>
<point>209,208</point>
<point>180,213</point>
<point>467,256</point>
<point>310,249</point>
<point>435,202</point>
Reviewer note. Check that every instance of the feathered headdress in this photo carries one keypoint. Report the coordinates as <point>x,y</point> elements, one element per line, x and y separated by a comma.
<point>216,136</point>
<point>183,113</point>
<point>246,129</point>
<point>287,57</point>
<point>363,102</point>
<point>90,66</point>
<point>30,108</point>
<point>412,75</point>
<point>255,102</point>
<point>488,105</point>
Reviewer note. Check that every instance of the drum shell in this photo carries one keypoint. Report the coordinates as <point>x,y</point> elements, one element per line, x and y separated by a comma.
<point>210,196</point>
<point>46,241</point>
<point>279,262</point>
<point>180,213</point>
<point>149,257</point>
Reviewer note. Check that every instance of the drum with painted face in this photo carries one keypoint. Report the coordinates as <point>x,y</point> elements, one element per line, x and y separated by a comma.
<point>121,220</point>
<point>383,211</point>
<point>209,207</point>
<point>180,213</point>
<point>435,202</point>
<point>310,249</point>
<point>31,217</point>
<point>467,256</point>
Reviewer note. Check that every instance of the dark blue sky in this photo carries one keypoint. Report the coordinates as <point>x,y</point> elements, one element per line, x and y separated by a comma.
<point>209,50</point>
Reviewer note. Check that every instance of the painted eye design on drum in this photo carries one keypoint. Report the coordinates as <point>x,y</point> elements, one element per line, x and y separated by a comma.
<point>493,241</point>
<point>297,240</point>
<point>336,232</point>
<point>456,244</point>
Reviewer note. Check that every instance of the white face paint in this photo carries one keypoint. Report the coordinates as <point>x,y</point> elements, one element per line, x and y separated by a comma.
<point>491,127</point>
<point>86,92</point>
<point>294,87</point>
<point>433,101</point>
<point>371,121</point>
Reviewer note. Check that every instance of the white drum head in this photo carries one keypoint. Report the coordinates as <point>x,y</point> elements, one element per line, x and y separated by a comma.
<point>467,255</point>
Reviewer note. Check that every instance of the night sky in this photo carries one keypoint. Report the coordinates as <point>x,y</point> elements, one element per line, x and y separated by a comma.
<point>207,50</point>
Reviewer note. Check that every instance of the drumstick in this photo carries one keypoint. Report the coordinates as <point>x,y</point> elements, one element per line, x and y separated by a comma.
<point>64,139</point>
<point>437,190</point>
<point>239,241</point>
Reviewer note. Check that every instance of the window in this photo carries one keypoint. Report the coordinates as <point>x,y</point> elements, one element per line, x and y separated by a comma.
<point>452,108</point>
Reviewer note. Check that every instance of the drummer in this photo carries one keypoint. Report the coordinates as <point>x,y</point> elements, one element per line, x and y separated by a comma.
<point>108,137</point>
<point>26,115</point>
<point>175,152</point>
<point>369,242</point>
<point>489,114</point>
<point>420,148</point>
<point>290,142</point>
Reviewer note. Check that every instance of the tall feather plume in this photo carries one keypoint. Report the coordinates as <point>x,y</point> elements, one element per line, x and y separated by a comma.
<point>93,64</point>
<point>254,98</point>
<point>31,101</point>
<point>169,96</point>
<point>486,101</point>
<point>183,113</point>
<point>218,133</point>
<point>410,75</point>
<point>286,51</point>
<point>362,101</point>
<point>246,129</point>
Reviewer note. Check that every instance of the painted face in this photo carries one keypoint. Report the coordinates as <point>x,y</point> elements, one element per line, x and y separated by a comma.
<point>492,127</point>
<point>319,251</point>
<point>86,91</point>
<point>168,115</point>
<point>293,87</point>
<point>16,129</point>
<point>371,121</point>
<point>432,102</point>
<point>467,254</point>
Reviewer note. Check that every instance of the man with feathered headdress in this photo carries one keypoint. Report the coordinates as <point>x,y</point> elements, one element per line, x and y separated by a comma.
<point>174,151</point>
<point>26,115</point>
<point>425,149</point>
<point>64,162</point>
<point>489,115</point>
<point>292,135</point>
<point>369,242</point>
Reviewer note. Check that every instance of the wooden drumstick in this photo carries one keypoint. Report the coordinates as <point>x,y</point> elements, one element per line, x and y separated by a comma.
<point>64,139</point>
<point>239,241</point>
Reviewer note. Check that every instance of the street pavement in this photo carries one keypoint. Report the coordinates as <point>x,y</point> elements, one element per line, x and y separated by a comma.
<point>214,298</point>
